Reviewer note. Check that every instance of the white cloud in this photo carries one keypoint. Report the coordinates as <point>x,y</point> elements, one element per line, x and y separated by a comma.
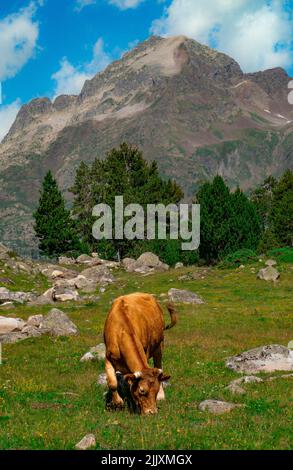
<point>121,4</point>
<point>69,79</point>
<point>80,4</point>
<point>18,38</point>
<point>257,33</point>
<point>7,116</point>
<point>124,4</point>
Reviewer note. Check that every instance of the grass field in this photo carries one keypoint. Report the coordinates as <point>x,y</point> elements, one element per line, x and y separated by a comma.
<point>50,400</point>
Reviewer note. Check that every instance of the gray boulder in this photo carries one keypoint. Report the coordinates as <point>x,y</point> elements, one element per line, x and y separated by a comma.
<point>127,263</point>
<point>54,271</point>
<point>147,262</point>
<point>149,259</point>
<point>99,274</point>
<point>235,385</point>
<point>63,294</point>
<point>263,359</point>
<point>19,297</point>
<point>268,274</point>
<point>184,296</point>
<point>97,353</point>
<point>88,260</point>
<point>218,407</point>
<point>7,325</point>
<point>66,261</point>
<point>57,323</point>
<point>42,300</point>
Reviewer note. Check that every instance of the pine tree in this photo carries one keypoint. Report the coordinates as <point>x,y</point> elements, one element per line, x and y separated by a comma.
<point>281,216</point>
<point>262,198</point>
<point>229,221</point>
<point>245,227</point>
<point>53,225</point>
<point>125,173</point>
<point>274,202</point>
<point>215,208</point>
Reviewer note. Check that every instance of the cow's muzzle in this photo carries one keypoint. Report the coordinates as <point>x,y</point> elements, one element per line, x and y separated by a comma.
<point>150,411</point>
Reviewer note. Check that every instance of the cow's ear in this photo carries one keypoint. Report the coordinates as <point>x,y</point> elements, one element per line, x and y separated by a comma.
<point>130,378</point>
<point>163,377</point>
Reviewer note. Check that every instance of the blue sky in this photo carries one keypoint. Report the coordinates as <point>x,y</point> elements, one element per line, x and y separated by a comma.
<point>48,47</point>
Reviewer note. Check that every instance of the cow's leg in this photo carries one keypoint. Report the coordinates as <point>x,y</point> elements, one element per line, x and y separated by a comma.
<point>113,384</point>
<point>158,363</point>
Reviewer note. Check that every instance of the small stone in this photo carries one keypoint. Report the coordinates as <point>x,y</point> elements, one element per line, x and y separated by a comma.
<point>66,261</point>
<point>102,379</point>
<point>236,389</point>
<point>87,357</point>
<point>268,274</point>
<point>217,407</point>
<point>184,296</point>
<point>234,386</point>
<point>179,265</point>
<point>270,262</point>
<point>96,353</point>
<point>86,442</point>
<point>61,294</point>
<point>57,273</point>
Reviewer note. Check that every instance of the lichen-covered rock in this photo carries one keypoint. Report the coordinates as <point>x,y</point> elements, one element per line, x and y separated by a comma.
<point>263,359</point>
<point>63,294</point>
<point>19,297</point>
<point>66,261</point>
<point>147,262</point>
<point>235,385</point>
<point>57,323</point>
<point>88,260</point>
<point>99,274</point>
<point>184,296</point>
<point>268,274</point>
<point>218,407</point>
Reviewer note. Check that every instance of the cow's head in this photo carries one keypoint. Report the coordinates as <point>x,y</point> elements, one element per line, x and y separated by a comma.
<point>144,387</point>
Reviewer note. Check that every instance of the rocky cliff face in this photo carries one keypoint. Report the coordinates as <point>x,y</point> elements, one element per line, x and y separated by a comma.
<point>187,106</point>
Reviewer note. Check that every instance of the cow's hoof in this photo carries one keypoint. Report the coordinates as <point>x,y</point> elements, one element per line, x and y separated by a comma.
<point>114,406</point>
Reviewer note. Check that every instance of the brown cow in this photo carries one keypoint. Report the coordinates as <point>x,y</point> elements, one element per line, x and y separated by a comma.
<point>134,333</point>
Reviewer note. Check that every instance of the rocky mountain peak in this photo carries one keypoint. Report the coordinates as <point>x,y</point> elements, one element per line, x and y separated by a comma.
<point>189,107</point>
<point>29,113</point>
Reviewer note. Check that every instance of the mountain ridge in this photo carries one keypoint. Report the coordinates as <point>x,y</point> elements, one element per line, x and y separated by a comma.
<point>189,107</point>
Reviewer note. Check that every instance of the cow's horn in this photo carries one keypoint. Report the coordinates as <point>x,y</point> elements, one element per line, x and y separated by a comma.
<point>137,374</point>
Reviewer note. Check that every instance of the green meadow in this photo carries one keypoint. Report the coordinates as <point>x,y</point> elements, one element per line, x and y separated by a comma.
<point>50,400</point>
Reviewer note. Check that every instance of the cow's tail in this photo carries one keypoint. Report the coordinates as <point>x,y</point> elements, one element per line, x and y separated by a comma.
<point>173,315</point>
